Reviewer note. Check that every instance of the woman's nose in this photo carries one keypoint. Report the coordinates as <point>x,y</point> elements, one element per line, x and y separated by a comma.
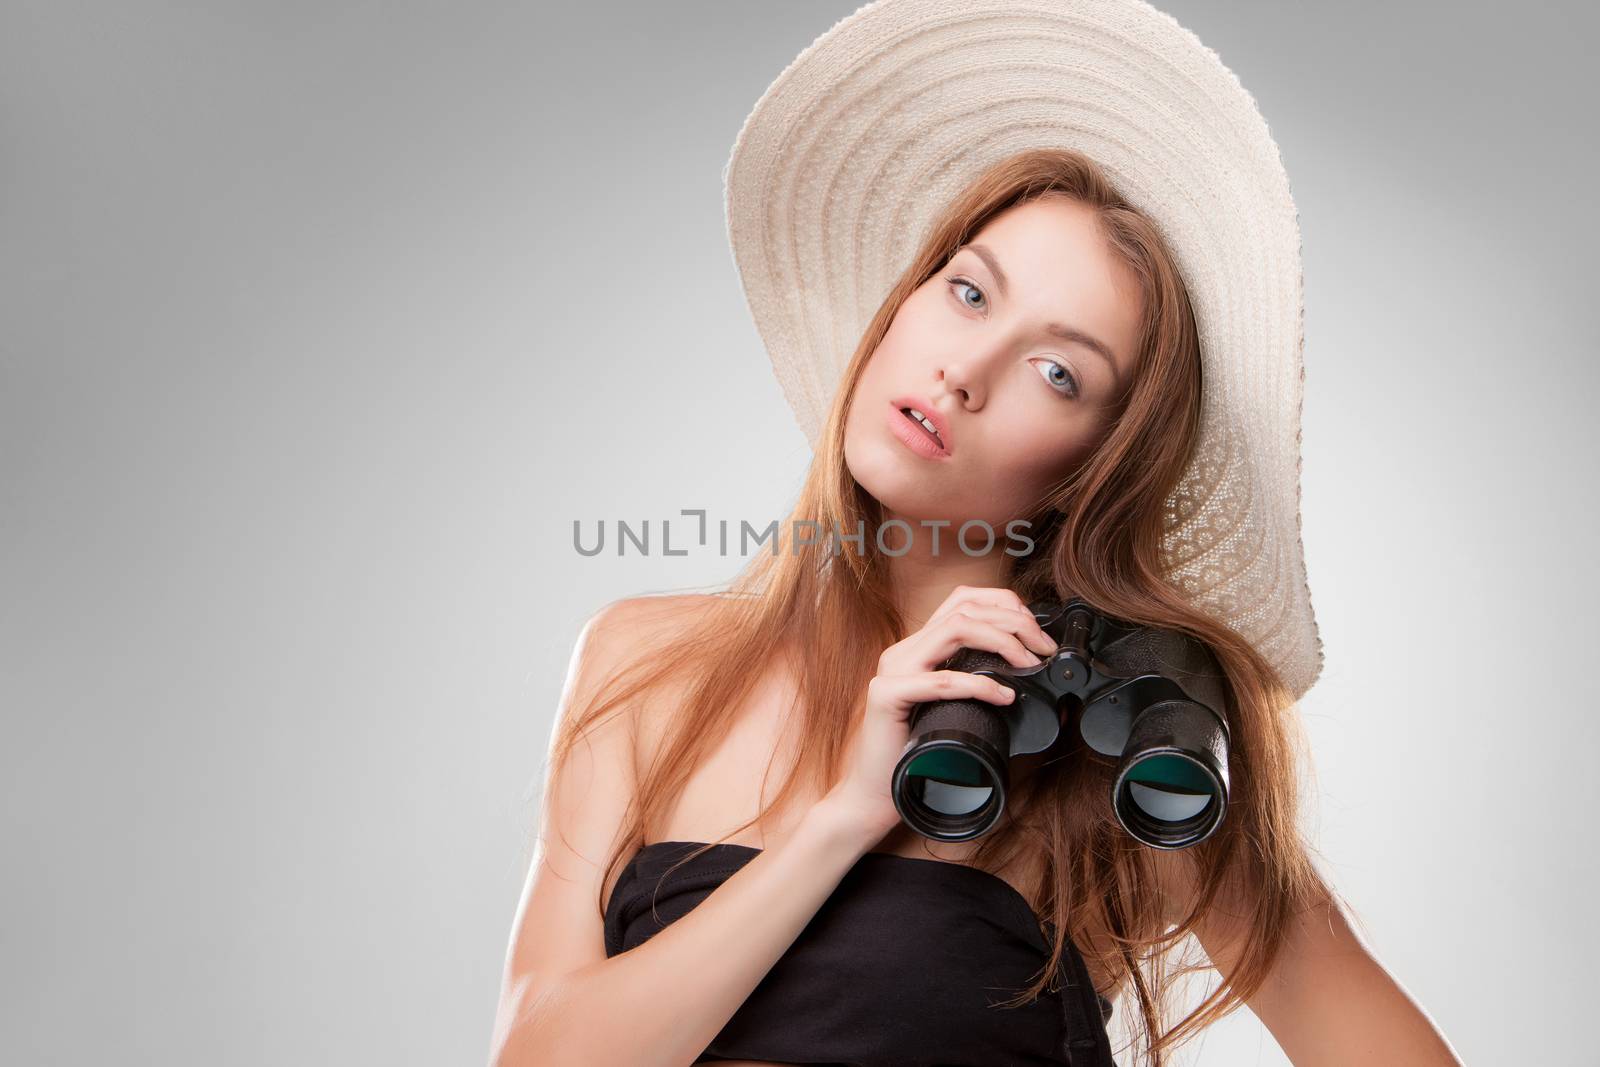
<point>959,378</point>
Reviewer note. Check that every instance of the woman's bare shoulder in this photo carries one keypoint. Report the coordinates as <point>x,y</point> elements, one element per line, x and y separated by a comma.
<point>649,615</point>
<point>622,631</point>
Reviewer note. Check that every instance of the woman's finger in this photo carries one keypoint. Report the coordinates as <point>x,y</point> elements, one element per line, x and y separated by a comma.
<point>988,596</point>
<point>1020,622</point>
<point>936,644</point>
<point>901,691</point>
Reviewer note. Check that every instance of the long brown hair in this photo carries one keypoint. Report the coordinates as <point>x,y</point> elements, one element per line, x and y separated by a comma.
<point>1097,535</point>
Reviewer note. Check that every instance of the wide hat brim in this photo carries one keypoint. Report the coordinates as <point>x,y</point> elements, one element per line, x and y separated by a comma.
<point>846,158</point>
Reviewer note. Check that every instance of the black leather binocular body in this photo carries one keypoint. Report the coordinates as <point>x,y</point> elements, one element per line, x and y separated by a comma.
<point>1154,699</point>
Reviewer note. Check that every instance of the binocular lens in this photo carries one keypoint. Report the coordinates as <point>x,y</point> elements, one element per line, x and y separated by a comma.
<point>950,785</point>
<point>1167,800</point>
<point>949,781</point>
<point>1170,788</point>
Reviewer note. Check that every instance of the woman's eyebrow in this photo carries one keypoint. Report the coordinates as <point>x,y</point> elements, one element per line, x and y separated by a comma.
<point>1055,329</point>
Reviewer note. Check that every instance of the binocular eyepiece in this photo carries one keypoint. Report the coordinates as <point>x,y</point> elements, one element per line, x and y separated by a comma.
<point>1155,699</point>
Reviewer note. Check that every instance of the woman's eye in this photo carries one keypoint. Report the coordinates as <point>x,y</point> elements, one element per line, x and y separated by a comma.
<point>1057,375</point>
<point>959,284</point>
<point>1063,382</point>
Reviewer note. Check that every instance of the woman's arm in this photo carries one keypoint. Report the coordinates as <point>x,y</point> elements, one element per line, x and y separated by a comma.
<point>1328,1001</point>
<point>563,1001</point>
<point>664,1001</point>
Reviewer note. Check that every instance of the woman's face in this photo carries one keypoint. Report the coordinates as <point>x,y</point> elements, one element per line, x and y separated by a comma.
<point>1018,403</point>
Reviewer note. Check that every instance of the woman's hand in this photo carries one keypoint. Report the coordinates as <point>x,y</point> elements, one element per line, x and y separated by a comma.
<point>992,620</point>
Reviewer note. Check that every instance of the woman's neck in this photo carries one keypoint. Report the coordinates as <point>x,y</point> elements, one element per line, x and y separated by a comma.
<point>920,579</point>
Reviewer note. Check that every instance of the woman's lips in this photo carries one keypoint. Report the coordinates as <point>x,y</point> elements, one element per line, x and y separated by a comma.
<point>914,434</point>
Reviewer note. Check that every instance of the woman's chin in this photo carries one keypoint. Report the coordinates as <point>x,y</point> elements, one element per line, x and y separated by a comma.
<point>917,503</point>
<point>897,486</point>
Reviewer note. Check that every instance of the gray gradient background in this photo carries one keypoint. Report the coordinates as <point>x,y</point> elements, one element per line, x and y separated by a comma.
<point>320,323</point>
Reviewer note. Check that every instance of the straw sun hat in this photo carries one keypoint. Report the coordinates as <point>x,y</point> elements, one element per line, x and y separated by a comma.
<point>873,128</point>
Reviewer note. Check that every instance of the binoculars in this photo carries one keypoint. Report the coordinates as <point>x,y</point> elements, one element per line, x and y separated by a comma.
<point>1154,699</point>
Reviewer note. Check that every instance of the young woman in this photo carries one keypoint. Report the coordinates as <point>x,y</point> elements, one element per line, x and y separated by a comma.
<point>722,874</point>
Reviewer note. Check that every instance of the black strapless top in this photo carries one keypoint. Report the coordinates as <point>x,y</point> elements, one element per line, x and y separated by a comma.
<point>902,965</point>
